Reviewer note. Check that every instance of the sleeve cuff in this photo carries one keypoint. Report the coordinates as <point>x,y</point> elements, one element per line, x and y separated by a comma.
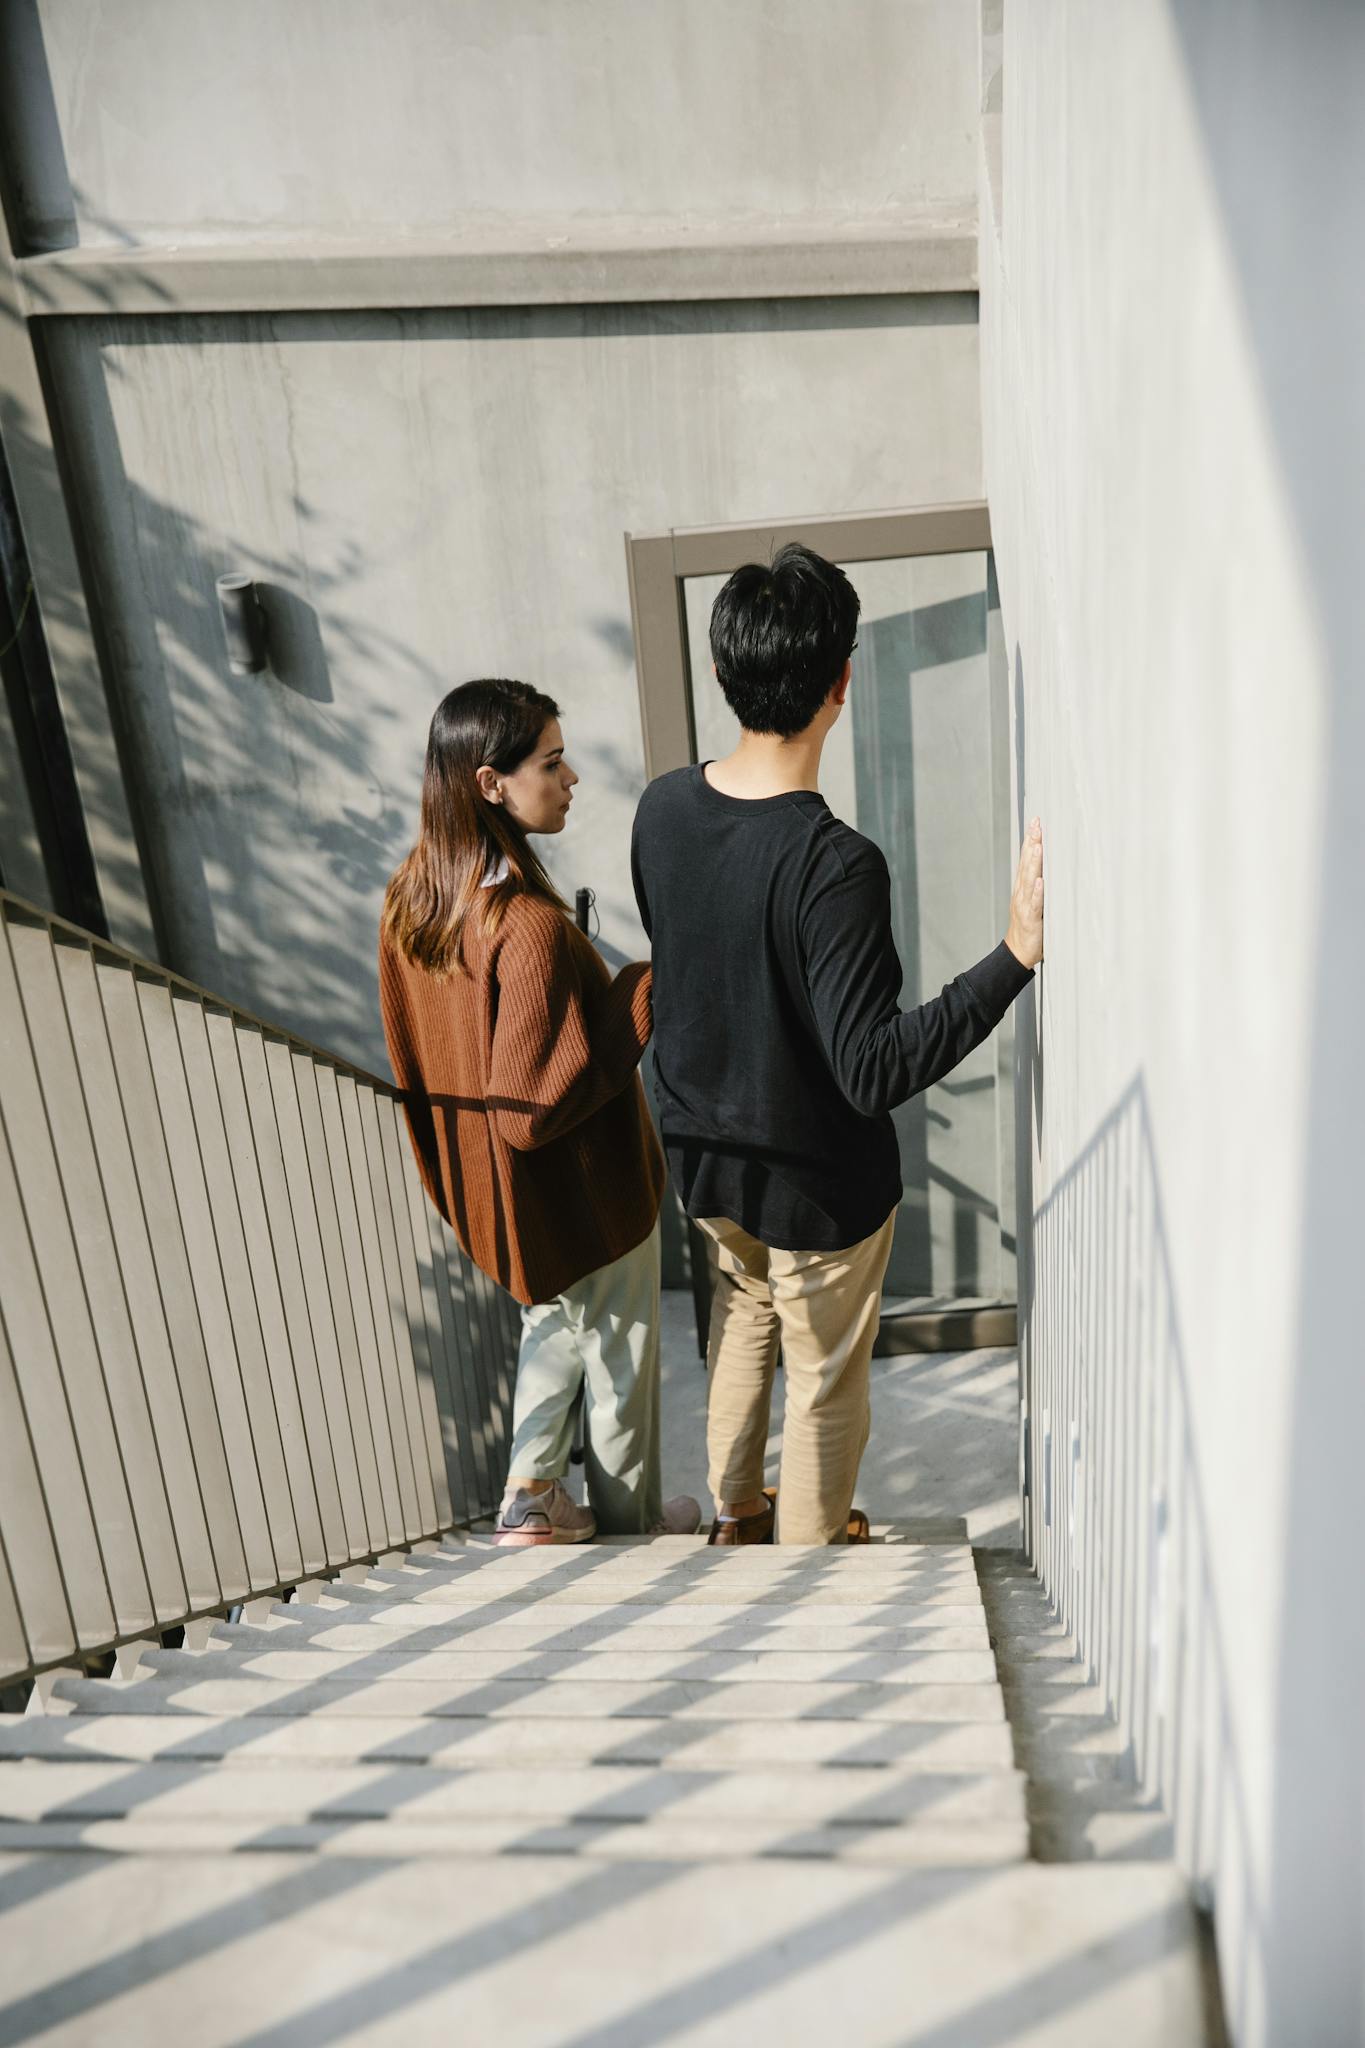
<point>998,979</point>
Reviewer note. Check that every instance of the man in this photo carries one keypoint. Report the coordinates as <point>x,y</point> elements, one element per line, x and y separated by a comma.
<point>780,1047</point>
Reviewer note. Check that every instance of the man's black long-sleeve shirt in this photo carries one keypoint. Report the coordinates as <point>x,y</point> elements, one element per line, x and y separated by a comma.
<point>780,1047</point>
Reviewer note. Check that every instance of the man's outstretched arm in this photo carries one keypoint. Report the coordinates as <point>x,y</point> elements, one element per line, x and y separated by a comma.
<point>880,1054</point>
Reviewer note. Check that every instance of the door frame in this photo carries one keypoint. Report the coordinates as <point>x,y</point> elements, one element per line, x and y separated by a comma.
<point>657,566</point>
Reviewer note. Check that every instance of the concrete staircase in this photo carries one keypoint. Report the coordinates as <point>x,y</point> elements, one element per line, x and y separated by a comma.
<point>633,1792</point>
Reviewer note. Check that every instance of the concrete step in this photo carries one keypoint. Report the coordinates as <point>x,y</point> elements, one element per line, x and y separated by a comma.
<point>1027,1650</point>
<point>836,1796</point>
<point>947,1531</point>
<point>654,1628</point>
<point>572,1610</point>
<point>209,1690</point>
<point>1068,1735</point>
<point>684,1561</point>
<point>1033,1703</point>
<point>1105,1820</point>
<point>732,1593</point>
<point>483,1545</point>
<point>754,1561</point>
<point>915,1845</point>
<point>299,1949</point>
<point>306,1664</point>
<point>1042,1679</point>
<point>699,1745</point>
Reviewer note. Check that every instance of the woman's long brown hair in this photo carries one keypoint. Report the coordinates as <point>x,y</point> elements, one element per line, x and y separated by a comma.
<point>439,887</point>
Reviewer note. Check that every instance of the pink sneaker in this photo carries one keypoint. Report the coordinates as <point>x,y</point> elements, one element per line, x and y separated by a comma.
<point>550,1517</point>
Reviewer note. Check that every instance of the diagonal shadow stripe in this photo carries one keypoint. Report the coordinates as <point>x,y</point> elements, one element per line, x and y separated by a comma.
<point>996,2021</point>
<point>159,1954</point>
<point>792,1953</point>
<point>451,1962</point>
<point>140,1781</point>
<point>40,1875</point>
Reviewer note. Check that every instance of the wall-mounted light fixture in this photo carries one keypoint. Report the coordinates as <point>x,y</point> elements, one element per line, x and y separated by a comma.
<point>243,624</point>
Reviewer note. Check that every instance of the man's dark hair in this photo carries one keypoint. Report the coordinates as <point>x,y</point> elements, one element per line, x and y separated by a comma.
<point>780,637</point>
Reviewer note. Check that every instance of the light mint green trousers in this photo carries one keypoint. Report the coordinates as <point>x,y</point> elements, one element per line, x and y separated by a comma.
<point>601,1334</point>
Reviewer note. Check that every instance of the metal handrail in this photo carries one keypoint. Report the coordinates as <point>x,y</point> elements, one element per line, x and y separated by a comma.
<point>238,1346</point>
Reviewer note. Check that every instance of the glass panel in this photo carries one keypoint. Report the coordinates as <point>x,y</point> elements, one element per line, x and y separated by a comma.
<point>909,764</point>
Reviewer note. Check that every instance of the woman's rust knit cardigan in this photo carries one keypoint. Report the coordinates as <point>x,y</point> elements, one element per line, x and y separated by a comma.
<point>523,1099</point>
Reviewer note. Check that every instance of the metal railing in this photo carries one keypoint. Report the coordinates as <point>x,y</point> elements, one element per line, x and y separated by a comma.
<point>238,1347</point>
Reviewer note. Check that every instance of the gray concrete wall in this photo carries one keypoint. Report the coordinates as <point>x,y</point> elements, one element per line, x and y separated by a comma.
<point>187,120</point>
<point>425,498</point>
<point>442,491</point>
<point>1175,447</point>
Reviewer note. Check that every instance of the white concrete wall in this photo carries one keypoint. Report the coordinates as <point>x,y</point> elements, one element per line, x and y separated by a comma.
<point>1174,424</point>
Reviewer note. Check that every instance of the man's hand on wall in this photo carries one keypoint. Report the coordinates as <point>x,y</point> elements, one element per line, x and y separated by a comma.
<point>1025,935</point>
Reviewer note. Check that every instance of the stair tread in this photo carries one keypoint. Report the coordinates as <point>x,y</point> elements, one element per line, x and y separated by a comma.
<point>64,1791</point>
<point>952,1843</point>
<point>644,1591</point>
<point>205,1692</point>
<point>683,1745</point>
<point>636,1944</point>
<point>571,1608</point>
<point>306,1664</point>
<point>652,1629</point>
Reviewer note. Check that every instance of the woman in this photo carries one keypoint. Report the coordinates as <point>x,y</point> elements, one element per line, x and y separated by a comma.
<point>518,1058</point>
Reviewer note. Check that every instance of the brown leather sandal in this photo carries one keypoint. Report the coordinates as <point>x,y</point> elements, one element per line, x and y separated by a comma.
<point>744,1528</point>
<point>859,1528</point>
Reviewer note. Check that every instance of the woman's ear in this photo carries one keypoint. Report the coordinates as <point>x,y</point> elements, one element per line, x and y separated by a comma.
<point>489,786</point>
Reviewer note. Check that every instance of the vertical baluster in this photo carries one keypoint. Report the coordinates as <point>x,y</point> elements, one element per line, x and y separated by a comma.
<point>455,1430</point>
<point>159,1586</point>
<point>453,1266</point>
<point>195,1569</point>
<point>407,1337</point>
<point>295,1297</point>
<point>365,1508</point>
<point>391,1518</point>
<point>16,1658</point>
<point>33,1562</point>
<point>280,1066</point>
<point>156,1001</point>
<point>511,1332</point>
<point>351,1092</point>
<point>55,1351</point>
<point>478,1295</point>
<point>117,981</point>
<point>498,1374</point>
<point>277,1340</point>
<point>238,1285</point>
<point>419,1290</point>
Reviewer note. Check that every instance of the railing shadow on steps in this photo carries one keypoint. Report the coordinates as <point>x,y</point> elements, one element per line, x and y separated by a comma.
<point>239,1349</point>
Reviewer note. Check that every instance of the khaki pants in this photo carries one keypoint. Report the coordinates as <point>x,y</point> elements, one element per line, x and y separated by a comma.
<point>823,1309</point>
